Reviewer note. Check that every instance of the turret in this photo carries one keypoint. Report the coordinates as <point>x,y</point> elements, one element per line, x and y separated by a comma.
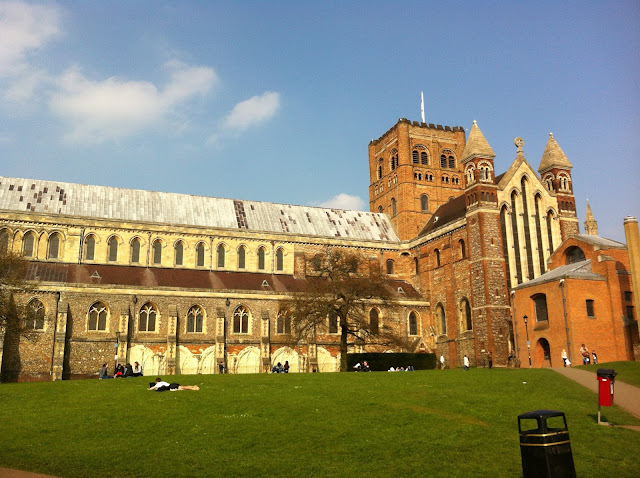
<point>555,172</point>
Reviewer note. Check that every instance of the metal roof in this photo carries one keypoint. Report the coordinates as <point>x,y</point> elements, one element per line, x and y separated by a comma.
<point>69,199</point>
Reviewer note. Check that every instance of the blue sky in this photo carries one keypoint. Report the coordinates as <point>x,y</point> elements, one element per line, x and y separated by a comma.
<point>277,101</point>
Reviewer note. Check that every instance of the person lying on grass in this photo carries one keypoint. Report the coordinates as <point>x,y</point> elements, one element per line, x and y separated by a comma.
<point>162,386</point>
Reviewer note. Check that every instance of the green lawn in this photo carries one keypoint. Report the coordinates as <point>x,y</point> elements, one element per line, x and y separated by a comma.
<point>433,423</point>
<point>628,372</point>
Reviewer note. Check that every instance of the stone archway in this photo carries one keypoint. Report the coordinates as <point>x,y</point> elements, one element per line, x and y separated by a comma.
<point>247,361</point>
<point>543,353</point>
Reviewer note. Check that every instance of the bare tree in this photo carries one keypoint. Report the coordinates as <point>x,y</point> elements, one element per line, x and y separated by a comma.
<point>16,319</point>
<point>346,286</point>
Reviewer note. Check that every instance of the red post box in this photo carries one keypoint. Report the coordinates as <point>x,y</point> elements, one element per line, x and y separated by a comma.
<point>606,377</point>
<point>605,391</point>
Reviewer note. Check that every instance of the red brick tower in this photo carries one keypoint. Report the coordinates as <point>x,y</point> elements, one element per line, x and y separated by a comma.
<point>414,168</point>
<point>555,171</point>
<point>490,310</point>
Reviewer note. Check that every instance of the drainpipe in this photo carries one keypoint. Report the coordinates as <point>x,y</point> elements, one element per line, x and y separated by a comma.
<point>566,322</point>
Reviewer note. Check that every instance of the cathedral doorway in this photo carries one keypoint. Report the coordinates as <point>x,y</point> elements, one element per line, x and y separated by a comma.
<point>543,353</point>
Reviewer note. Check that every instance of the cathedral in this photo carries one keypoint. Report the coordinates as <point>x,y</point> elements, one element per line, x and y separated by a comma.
<point>190,284</point>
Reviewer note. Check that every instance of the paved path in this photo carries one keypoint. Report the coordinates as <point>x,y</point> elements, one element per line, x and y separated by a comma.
<point>624,395</point>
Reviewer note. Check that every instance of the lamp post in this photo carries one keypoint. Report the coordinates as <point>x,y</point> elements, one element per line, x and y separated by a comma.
<point>117,346</point>
<point>526,329</point>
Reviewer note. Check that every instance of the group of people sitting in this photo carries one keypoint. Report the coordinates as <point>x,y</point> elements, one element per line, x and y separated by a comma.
<point>279,368</point>
<point>408,368</point>
<point>121,371</point>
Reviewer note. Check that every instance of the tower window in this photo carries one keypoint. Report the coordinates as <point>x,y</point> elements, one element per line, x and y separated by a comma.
<point>424,159</point>
<point>590,310</point>
<point>415,155</point>
<point>389,266</point>
<point>443,161</point>
<point>424,203</point>
<point>393,206</point>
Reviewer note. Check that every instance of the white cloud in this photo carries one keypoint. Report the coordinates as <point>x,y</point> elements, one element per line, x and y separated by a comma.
<point>115,108</point>
<point>252,111</point>
<point>25,28</point>
<point>344,201</point>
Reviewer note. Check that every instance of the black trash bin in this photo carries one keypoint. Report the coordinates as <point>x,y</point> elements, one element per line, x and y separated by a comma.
<point>545,449</point>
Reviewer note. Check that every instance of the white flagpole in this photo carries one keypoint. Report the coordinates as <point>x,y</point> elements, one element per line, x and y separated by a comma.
<point>422,105</point>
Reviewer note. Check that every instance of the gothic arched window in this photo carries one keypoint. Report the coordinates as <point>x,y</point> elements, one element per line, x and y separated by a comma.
<point>147,319</point>
<point>242,251</point>
<point>157,252</point>
<point>179,253</point>
<point>241,320</point>
<point>195,319</point>
<point>35,315</point>
<point>374,321</point>
<point>221,255</point>
<point>413,324</point>
<point>261,258</point>
<point>279,260</point>
<point>98,316</point>
<point>424,203</point>
<point>112,247</point>
<point>200,255</point>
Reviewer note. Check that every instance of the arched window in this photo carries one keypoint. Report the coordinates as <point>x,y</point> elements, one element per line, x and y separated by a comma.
<point>394,159</point>
<point>283,323</point>
<point>157,251</point>
<point>549,232</point>
<point>415,156</point>
<point>424,158</point>
<point>221,255</point>
<point>437,254</point>
<point>413,324</point>
<point>242,251</point>
<point>424,203</point>
<point>147,319</point>
<point>261,254</point>
<point>393,206</point>
<point>112,246</point>
<point>89,247</point>
<point>4,241</point>
<point>380,168</point>
<point>179,253</point>
<point>98,316</point>
<point>35,315</point>
<point>54,246</point>
<point>463,251</point>
<point>452,162</point>
<point>540,305</point>
<point>240,320</point>
<point>28,243</point>
<point>389,266</point>
<point>416,266</point>
<point>465,315</point>
<point>443,161</point>
<point>441,320</point>
<point>374,321</point>
<point>200,255</point>
<point>135,251</point>
<point>279,260</point>
<point>333,322</point>
<point>574,254</point>
<point>195,319</point>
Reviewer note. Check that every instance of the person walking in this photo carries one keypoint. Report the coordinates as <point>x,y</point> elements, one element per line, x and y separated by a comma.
<point>465,361</point>
<point>564,357</point>
<point>441,362</point>
<point>490,359</point>
<point>594,356</point>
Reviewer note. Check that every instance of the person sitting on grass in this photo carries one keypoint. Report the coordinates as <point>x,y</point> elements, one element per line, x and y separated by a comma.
<point>162,386</point>
<point>137,370</point>
<point>103,372</point>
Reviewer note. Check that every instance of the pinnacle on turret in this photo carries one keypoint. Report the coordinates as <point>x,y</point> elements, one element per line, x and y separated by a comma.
<point>477,146</point>
<point>590,224</point>
<point>553,157</point>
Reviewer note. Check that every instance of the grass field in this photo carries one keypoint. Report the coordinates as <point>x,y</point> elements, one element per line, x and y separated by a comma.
<point>432,423</point>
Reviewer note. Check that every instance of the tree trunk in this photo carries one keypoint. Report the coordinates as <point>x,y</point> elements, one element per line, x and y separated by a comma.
<point>343,347</point>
